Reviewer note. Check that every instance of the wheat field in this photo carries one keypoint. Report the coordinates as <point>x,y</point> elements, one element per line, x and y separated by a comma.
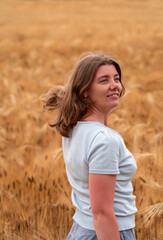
<point>40,41</point>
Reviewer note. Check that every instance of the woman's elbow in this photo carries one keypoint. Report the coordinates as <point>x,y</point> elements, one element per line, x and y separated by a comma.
<point>103,211</point>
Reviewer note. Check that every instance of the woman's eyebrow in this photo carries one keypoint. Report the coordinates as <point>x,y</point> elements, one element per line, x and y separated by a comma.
<point>103,76</point>
<point>116,75</point>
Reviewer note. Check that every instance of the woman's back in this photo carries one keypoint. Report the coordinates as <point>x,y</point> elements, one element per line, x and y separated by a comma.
<point>95,148</point>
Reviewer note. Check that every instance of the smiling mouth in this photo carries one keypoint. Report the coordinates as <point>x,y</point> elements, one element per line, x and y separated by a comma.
<point>113,95</point>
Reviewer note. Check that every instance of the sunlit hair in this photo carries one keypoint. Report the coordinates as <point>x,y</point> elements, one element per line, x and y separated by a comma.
<point>69,99</point>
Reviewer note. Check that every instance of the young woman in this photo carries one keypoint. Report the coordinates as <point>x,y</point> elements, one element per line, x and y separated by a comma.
<point>98,164</point>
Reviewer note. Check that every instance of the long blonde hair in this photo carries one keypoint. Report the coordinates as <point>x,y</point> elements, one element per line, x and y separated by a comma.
<point>69,99</point>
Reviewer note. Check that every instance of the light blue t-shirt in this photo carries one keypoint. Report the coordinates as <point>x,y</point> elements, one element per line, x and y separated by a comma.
<point>94,148</point>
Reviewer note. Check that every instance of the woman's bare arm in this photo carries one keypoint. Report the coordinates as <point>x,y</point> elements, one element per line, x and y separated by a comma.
<point>102,188</point>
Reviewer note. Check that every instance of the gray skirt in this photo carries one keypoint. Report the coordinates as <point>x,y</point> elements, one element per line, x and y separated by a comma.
<point>79,233</point>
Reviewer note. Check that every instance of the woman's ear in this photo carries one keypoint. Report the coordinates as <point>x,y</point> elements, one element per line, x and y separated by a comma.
<point>85,95</point>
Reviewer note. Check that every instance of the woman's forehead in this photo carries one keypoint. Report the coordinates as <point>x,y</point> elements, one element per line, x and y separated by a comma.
<point>106,70</point>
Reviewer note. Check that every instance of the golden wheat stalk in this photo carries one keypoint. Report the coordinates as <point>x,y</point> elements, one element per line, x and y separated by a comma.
<point>147,215</point>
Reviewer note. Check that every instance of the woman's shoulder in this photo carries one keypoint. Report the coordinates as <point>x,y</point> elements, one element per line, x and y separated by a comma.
<point>97,130</point>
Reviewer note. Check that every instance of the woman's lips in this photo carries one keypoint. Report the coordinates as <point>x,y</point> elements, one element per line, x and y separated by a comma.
<point>114,95</point>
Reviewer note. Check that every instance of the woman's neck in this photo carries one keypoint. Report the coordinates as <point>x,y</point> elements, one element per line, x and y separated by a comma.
<point>95,118</point>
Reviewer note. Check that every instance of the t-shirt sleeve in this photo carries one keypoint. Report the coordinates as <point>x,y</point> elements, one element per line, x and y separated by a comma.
<point>103,156</point>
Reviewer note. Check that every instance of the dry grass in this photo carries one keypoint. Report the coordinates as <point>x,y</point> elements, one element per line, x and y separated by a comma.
<point>39,43</point>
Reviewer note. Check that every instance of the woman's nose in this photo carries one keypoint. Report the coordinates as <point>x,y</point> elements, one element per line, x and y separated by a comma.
<point>113,84</point>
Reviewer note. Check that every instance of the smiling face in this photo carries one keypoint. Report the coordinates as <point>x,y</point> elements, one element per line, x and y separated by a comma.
<point>105,90</point>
